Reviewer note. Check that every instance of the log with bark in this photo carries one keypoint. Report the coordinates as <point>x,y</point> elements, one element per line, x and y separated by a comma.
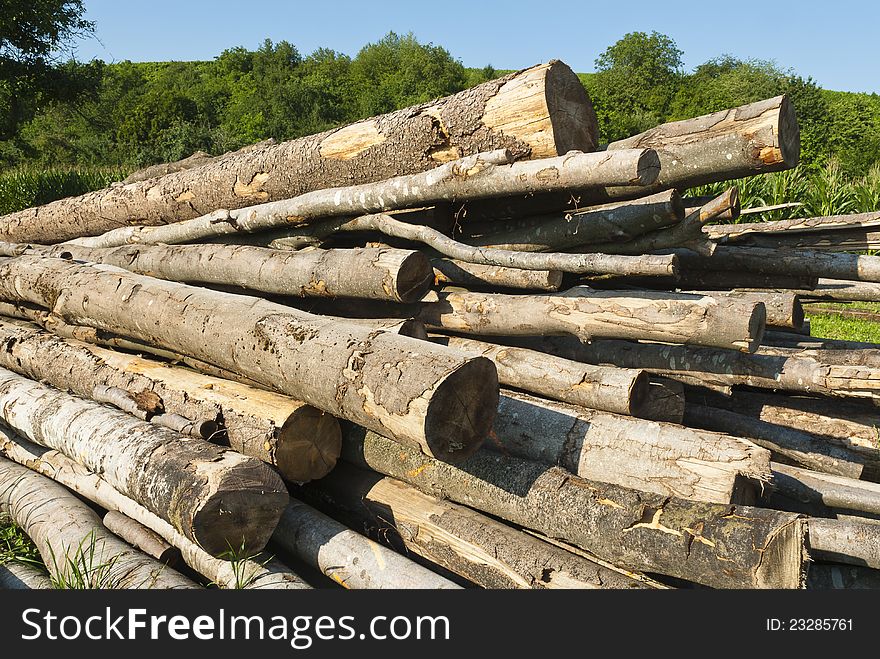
<point>734,233</point>
<point>349,558</point>
<point>471,275</point>
<point>837,289</point>
<point>623,391</point>
<point>139,536</point>
<point>196,159</point>
<point>758,137</point>
<point>538,112</point>
<point>238,568</point>
<point>826,490</point>
<point>716,545</point>
<point>591,314</point>
<point>75,547</point>
<point>16,575</point>
<point>710,280</point>
<point>428,395</point>
<point>644,455</point>
<point>693,204</point>
<point>844,541</point>
<point>300,440</point>
<point>462,540</point>
<point>784,310</point>
<point>213,496</point>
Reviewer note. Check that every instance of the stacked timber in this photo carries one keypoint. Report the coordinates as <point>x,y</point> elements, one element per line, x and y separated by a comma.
<point>458,345</point>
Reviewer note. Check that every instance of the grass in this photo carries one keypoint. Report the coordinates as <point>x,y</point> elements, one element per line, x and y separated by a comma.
<point>846,329</point>
<point>15,545</point>
<point>24,187</point>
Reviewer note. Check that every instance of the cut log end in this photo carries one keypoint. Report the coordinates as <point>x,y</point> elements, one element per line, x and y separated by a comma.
<point>415,277</point>
<point>757,327</point>
<point>783,563</point>
<point>639,393</point>
<point>574,123</point>
<point>648,168</point>
<point>462,410</point>
<point>309,444</point>
<point>789,134</point>
<point>229,521</point>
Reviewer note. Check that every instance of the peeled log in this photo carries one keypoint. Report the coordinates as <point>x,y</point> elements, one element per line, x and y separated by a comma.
<point>470,275</point>
<point>350,559</point>
<point>599,387</point>
<point>254,572</point>
<point>483,550</point>
<point>592,314</point>
<point>300,440</point>
<point>539,112</point>
<point>69,535</point>
<point>213,496</point>
<point>430,396</point>
<point>636,453</point>
<point>717,545</point>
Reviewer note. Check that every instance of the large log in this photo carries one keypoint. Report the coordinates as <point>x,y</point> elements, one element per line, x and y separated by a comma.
<point>599,387</point>
<point>237,569</point>
<point>481,549</point>
<point>539,112</point>
<point>783,309</point>
<point>373,274</point>
<point>471,275</point>
<point>592,314</point>
<point>478,176</point>
<point>74,545</point>
<point>214,496</point>
<point>300,440</point>
<point>758,137</point>
<point>716,545</point>
<point>428,395</point>
<point>350,559</point>
<point>644,455</point>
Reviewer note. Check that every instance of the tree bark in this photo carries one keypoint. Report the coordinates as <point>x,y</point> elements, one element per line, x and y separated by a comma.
<point>350,559</point>
<point>140,537</point>
<point>197,159</point>
<point>780,228</point>
<point>852,543</point>
<point>248,571</point>
<point>300,440</point>
<point>539,112</point>
<point>215,497</point>
<point>842,290</point>
<point>717,545</point>
<point>827,490</point>
<point>480,549</point>
<point>783,309</point>
<point>693,204</point>
<point>616,222</point>
<point>427,395</point>
<point>635,453</point>
<point>471,275</point>
<point>623,391</point>
<point>372,274</point>
<point>799,263</point>
<point>69,535</point>
<point>804,449</point>
<point>22,576</point>
<point>593,314</point>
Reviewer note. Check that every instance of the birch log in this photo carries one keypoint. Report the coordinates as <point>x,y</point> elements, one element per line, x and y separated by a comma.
<point>73,543</point>
<point>139,536</point>
<point>539,112</point>
<point>427,395</point>
<point>213,496</point>
<point>623,391</point>
<point>252,572</point>
<point>350,559</point>
<point>717,545</point>
<point>23,576</point>
<point>300,440</point>
<point>643,455</point>
<point>593,314</point>
<point>481,549</point>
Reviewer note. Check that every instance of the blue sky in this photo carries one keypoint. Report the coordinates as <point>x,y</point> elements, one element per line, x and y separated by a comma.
<point>835,42</point>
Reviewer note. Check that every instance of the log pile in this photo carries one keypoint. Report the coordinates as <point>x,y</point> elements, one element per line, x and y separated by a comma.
<point>459,345</point>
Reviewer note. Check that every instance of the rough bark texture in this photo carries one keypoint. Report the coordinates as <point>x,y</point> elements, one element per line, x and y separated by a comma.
<point>717,545</point>
<point>480,549</point>
<point>623,391</point>
<point>830,491</point>
<point>139,536</point>
<point>640,454</point>
<point>21,576</point>
<point>300,440</point>
<point>539,112</point>
<point>471,275</point>
<point>592,314</point>
<point>213,496</point>
<point>617,222</point>
<point>254,572</point>
<point>373,274</point>
<point>427,395</point>
<point>350,559</point>
<point>797,446</point>
<point>847,542</point>
<point>197,159</point>
<point>70,537</point>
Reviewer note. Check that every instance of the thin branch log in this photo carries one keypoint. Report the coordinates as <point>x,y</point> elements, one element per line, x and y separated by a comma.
<point>847,542</point>
<point>471,275</point>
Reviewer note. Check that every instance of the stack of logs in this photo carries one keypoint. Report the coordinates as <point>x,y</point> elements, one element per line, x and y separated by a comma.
<point>460,344</point>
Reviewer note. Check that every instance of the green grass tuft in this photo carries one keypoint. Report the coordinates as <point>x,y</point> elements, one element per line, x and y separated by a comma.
<point>25,187</point>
